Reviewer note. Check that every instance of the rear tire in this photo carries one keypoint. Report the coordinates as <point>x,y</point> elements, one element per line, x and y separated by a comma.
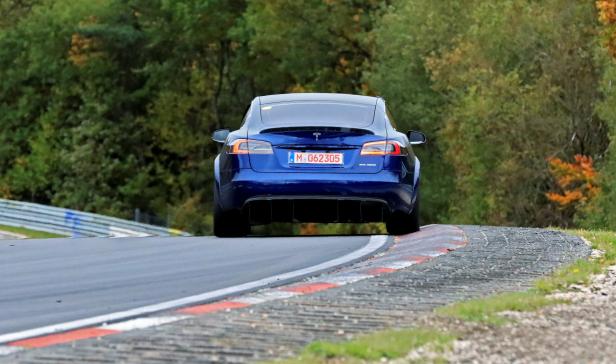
<point>401,224</point>
<point>229,223</point>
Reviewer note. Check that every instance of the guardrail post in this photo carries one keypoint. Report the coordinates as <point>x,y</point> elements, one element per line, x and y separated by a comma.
<point>72,219</point>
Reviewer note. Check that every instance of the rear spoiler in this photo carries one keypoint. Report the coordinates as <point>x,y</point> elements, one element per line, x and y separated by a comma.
<point>322,129</point>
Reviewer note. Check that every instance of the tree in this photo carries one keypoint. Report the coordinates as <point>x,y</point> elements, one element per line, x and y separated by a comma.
<point>121,101</point>
<point>11,11</point>
<point>407,35</point>
<point>108,105</point>
<point>521,90</point>
<point>312,45</point>
<point>601,212</point>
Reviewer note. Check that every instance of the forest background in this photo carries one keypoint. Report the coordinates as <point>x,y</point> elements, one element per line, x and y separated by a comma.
<point>108,105</point>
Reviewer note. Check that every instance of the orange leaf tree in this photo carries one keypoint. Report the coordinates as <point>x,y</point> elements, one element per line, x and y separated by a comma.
<point>607,16</point>
<point>576,184</point>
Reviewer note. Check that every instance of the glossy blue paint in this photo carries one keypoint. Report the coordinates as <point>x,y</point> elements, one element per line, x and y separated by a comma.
<point>393,179</point>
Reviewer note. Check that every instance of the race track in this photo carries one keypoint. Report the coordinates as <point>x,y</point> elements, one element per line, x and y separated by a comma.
<point>52,281</point>
<point>386,285</point>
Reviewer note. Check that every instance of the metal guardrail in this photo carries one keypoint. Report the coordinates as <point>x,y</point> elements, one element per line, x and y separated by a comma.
<point>74,223</point>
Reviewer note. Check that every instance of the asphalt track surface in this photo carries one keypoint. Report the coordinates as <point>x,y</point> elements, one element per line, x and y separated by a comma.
<point>50,281</point>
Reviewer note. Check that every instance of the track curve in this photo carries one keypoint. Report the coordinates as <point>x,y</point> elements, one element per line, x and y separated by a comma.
<point>52,281</point>
<point>418,272</point>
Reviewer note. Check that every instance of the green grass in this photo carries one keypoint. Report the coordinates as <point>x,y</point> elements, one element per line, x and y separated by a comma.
<point>486,310</point>
<point>577,273</point>
<point>581,271</point>
<point>602,240</point>
<point>388,344</point>
<point>32,234</point>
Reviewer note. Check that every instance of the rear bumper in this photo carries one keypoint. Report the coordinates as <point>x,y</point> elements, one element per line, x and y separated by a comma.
<point>266,197</point>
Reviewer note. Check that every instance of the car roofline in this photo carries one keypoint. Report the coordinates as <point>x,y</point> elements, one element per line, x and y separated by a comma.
<point>324,97</point>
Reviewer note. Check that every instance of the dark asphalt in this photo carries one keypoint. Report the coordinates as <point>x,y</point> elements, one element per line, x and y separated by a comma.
<point>50,281</point>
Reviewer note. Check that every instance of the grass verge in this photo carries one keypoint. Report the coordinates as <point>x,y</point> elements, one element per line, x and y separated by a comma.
<point>581,271</point>
<point>486,310</point>
<point>32,234</point>
<point>388,344</point>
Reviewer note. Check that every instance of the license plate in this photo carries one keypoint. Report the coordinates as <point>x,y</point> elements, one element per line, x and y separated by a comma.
<point>316,158</point>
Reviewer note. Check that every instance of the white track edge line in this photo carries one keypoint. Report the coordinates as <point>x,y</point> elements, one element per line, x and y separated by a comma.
<point>262,297</point>
<point>374,243</point>
<point>143,323</point>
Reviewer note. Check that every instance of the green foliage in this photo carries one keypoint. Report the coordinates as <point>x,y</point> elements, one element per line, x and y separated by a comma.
<point>108,105</point>
<point>113,110</point>
<point>602,214</point>
<point>490,135</point>
<point>512,105</point>
<point>409,33</point>
<point>312,45</point>
<point>11,11</point>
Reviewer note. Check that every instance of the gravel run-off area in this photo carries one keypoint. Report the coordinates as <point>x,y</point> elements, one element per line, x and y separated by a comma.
<point>582,331</point>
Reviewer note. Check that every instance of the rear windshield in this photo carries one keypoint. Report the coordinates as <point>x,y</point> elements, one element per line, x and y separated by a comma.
<point>317,113</point>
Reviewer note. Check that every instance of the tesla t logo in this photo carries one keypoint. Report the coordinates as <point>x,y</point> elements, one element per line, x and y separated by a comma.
<point>316,135</point>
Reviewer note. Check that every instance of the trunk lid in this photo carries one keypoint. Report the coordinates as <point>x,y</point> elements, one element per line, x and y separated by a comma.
<point>344,143</point>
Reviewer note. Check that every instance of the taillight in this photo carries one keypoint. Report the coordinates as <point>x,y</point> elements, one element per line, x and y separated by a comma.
<point>382,147</point>
<point>249,146</point>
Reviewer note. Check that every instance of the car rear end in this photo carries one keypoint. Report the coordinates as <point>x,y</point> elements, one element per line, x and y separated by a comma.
<point>318,160</point>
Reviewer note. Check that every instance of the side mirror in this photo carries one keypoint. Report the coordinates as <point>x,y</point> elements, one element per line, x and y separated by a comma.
<point>220,135</point>
<point>416,137</point>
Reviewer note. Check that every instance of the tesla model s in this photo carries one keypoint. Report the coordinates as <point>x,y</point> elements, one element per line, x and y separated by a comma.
<point>309,157</point>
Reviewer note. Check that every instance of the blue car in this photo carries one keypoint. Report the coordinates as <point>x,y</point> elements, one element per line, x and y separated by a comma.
<point>316,157</point>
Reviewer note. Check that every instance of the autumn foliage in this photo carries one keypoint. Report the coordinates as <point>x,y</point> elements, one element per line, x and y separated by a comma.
<point>576,181</point>
<point>84,48</point>
<point>607,16</point>
<point>607,11</point>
